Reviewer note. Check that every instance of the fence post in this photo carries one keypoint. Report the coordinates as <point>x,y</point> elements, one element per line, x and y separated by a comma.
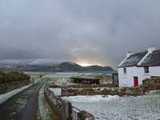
<point>6,85</point>
<point>84,115</point>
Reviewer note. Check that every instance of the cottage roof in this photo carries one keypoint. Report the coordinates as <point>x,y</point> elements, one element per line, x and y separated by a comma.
<point>152,59</point>
<point>133,59</point>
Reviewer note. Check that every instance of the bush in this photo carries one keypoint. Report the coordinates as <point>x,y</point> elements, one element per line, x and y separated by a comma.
<point>13,77</point>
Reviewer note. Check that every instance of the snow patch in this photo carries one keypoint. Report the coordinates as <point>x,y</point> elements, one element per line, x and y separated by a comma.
<point>154,92</point>
<point>8,95</point>
<point>44,111</point>
<point>56,91</point>
<point>87,98</point>
<point>67,73</point>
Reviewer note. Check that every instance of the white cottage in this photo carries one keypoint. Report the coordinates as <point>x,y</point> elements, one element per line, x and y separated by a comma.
<point>138,66</point>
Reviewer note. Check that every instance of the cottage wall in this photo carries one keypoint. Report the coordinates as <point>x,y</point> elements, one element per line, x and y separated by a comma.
<point>154,71</point>
<point>127,79</point>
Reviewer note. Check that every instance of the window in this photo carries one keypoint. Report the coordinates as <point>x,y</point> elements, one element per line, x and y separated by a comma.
<point>124,70</point>
<point>146,69</point>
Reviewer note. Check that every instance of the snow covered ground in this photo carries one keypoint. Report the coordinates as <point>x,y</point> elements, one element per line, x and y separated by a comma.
<point>45,110</point>
<point>119,108</point>
<point>6,96</point>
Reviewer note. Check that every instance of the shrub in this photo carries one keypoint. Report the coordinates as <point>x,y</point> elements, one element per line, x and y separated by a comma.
<point>13,76</point>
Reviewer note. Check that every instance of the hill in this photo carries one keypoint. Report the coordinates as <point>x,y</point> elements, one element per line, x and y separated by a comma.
<point>47,65</point>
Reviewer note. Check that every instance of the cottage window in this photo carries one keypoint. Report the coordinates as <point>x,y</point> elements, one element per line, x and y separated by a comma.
<point>146,69</point>
<point>124,70</point>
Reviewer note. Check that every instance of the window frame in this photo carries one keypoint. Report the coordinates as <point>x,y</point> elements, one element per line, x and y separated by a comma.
<point>124,70</point>
<point>146,69</point>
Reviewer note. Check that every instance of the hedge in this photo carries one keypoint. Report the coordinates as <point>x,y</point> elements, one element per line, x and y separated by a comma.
<point>13,77</point>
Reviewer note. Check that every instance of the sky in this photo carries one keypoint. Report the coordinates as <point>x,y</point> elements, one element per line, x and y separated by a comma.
<point>83,31</point>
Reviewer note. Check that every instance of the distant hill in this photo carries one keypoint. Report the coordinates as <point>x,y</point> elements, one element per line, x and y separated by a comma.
<point>48,65</point>
<point>99,68</point>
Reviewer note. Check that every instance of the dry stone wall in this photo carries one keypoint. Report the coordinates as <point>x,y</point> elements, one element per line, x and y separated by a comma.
<point>65,108</point>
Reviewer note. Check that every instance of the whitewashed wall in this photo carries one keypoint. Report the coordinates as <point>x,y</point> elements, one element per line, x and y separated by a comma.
<point>154,71</point>
<point>127,79</point>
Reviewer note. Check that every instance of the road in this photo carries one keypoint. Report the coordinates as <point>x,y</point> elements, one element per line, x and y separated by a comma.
<point>22,106</point>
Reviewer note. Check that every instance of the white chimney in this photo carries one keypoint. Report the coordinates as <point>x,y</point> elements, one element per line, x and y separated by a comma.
<point>151,49</point>
<point>129,54</point>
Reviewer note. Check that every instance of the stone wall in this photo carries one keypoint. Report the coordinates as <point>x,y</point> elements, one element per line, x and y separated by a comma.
<point>131,91</point>
<point>84,115</point>
<point>151,84</point>
<point>147,85</point>
<point>6,87</point>
<point>65,108</point>
<point>89,91</point>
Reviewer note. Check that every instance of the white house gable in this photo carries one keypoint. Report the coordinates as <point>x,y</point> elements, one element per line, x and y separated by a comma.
<point>139,66</point>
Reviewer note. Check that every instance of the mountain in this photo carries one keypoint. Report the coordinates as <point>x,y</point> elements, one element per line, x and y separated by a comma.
<point>99,68</point>
<point>67,66</point>
<point>48,65</point>
<point>31,62</point>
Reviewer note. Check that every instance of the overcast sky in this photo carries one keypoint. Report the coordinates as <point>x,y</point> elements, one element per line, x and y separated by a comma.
<point>84,31</point>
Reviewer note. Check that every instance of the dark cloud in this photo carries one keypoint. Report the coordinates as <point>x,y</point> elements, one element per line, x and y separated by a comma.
<point>78,30</point>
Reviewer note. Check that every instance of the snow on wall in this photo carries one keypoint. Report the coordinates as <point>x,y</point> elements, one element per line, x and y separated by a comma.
<point>90,98</point>
<point>127,79</point>
<point>56,91</point>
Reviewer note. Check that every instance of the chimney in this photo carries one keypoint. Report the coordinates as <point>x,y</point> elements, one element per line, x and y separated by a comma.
<point>129,54</point>
<point>151,49</point>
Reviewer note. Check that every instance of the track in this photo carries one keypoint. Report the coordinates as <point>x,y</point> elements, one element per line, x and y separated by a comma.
<point>22,106</point>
